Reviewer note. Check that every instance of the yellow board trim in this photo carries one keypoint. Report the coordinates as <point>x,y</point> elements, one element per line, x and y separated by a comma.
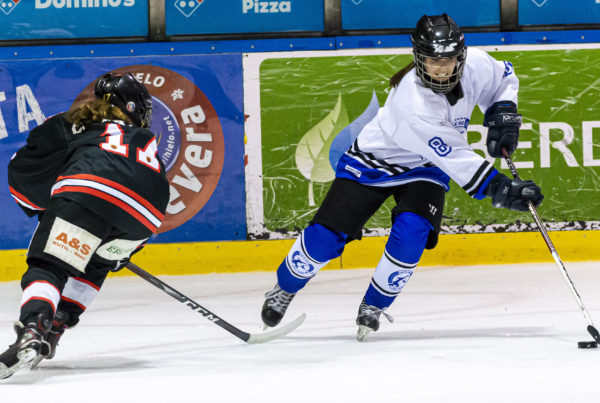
<point>245,256</point>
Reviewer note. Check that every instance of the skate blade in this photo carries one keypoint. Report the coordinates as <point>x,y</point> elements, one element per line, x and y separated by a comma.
<point>362,333</point>
<point>36,361</point>
<point>28,358</point>
<point>6,372</point>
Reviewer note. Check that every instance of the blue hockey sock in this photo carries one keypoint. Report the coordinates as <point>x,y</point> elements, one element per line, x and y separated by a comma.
<point>313,249</point>
<point>403,251</point>
<point>377,299</point>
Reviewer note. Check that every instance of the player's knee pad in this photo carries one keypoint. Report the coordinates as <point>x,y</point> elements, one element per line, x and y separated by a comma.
<point>408,237</point>
<point>35,273</point>
<point>323,244</point>
<point>313,249</point>
<point>402,253</point>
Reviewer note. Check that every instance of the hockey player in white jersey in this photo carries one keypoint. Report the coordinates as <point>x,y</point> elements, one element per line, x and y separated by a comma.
<point>412,148</point>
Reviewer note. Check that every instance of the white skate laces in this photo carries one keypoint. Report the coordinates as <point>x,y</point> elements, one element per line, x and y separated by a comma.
<point>278,299</point>
<point>368,319</point>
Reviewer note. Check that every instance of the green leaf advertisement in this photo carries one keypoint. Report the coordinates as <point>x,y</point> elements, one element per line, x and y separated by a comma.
<point>306,102</point>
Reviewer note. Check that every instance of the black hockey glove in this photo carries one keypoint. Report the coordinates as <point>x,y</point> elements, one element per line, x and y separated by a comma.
<point>513,194</point>
<point>503,122</point>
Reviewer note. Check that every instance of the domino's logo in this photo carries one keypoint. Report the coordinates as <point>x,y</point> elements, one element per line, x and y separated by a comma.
<point>8,6</point>
<point>188,7</point>
<point>442,149</point>
<point>540,3</point>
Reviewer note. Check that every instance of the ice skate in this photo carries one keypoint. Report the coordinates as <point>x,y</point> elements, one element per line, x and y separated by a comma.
<point>276,303</point>
<point>28,350</point>
<point>368,320</point>
<point>56,331</point>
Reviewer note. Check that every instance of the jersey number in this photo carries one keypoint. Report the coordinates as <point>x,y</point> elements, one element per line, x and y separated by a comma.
<point>442,149</point>
<point>114,144</point>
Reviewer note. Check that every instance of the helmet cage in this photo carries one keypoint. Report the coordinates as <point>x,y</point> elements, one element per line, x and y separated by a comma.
<point>129,95</point>
<point>420,60</point>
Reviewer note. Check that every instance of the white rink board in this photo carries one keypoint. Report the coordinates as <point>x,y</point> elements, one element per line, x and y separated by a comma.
<point>461,334</point>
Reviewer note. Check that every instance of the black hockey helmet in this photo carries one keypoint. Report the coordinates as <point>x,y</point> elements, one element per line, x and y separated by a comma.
<point>128,94</point>
<point>438,36</point>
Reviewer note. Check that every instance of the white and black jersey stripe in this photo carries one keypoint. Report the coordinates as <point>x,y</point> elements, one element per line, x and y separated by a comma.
<point>369,160</point>
<point>479,178</point>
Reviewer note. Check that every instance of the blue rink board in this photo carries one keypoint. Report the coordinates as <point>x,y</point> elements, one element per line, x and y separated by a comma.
<point>54,85</point>
<point>287,44</point>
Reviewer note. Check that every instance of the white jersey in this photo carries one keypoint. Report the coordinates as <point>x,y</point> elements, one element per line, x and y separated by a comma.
<point>422,135</point>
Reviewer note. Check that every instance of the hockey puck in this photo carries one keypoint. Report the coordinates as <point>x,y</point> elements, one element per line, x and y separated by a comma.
<point>587,344</point>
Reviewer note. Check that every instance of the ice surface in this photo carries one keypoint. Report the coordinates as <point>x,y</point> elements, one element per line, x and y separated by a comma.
<point>461,334</point>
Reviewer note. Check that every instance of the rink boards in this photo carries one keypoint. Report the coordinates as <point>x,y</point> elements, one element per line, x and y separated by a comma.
<point>259,187</point>
<point>452,250</point>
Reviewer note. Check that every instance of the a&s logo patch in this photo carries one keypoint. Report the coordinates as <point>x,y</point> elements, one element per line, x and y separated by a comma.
<point>188,7</point>
<point>71,244</point>
<point>7,6</point>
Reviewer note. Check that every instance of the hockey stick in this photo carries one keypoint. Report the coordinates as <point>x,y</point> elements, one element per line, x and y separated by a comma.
<point>247,337</point>
<point>561,266</point>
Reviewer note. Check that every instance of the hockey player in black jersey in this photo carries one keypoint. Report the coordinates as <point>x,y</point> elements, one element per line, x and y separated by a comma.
<point>93,178</point>
<point>410,150</point>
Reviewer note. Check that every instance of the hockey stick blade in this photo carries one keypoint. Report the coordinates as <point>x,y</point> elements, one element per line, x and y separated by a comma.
<point>194,306</point>
<point>594,332</point>
<point>257,338</point>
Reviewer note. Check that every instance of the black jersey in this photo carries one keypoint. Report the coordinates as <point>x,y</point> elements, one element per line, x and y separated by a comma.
<point>110,168</point>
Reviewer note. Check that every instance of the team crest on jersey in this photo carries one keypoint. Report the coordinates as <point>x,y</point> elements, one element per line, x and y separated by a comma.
<point>190,139</point>
<point>461,124</point>
<point>188,7</point>
<point>398,279</point>
<point>7,7</point>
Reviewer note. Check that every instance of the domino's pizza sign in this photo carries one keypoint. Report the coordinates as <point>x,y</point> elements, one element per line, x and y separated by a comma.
<point>199,17</point>
<point>56,19</point>
<point>188,7</point>
<point>8,6</point>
